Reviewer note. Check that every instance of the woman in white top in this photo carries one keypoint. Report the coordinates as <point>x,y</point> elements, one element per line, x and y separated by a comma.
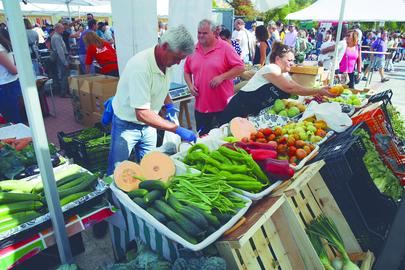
<point>271,82</point>
<point>10,91</point>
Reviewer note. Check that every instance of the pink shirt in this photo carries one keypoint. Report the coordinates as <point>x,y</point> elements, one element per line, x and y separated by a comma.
<point>204,67</point>
<point>349,59</point>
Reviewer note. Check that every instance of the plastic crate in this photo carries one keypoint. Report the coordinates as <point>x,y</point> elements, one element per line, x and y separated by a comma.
<point>93,158</point>
<point>368,212</point>
<point>384,96</point>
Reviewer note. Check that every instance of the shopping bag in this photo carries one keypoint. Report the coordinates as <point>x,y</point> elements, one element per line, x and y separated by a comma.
<point>331,113</point>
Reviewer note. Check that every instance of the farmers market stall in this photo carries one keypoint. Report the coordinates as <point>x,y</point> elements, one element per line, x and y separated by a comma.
<point>301,182</point>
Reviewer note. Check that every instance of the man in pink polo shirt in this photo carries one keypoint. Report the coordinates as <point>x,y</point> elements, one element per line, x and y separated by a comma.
<point>209,73</point>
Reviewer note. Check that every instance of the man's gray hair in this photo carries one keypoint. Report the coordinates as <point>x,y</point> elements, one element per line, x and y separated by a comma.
<point>58,25</point>
<point>213,26</point>
<point>178,39</point>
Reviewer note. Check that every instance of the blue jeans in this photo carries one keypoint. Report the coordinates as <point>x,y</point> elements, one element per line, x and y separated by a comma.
<point>10,94</point>
<point>126,136</point>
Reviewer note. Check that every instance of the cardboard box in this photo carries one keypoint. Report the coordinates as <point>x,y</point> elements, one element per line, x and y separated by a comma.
<point>103,90</point>
<point>96,117</point>
<point>74,81</point>
<point>87,118</point>
<point>308,70</point>
<point>86,90</point>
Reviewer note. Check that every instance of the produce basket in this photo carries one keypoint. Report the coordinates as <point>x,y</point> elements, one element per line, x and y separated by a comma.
<point>146,219</point>
<point>68,144</point>
<point>41,222</point>
<point>214,144</point>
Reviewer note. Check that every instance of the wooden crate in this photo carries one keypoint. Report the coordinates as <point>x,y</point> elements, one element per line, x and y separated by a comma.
<point>309,197</point>
<point>271,238</point>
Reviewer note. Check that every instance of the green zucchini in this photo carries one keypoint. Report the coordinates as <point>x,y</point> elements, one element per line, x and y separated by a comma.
<point>9,197</point>
<point>137,193</point>
<point>152,196</point>
<point>72,170</point>
<point>223,217</point>
<point>75,182</point>
<point>7,209</point>
<point>213,220</point>
<point>140,202</point>
<point>189,212</point>
<point>78,188</point>
<point>153,185</point>
<point>9,224</point>
<point>156,214</point>
<point>188,226</point>
<point>180,232</point>
<point>73,197</point>
<point>16,216</point>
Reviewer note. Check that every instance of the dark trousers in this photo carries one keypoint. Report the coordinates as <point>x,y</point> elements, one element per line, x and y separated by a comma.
<point>10,95</point>
<point>352,80</point>
<point>205,121</point>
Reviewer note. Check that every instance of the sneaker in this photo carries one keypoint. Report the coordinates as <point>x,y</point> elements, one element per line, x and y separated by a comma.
<point>384,80</point>
<point>364,79</point>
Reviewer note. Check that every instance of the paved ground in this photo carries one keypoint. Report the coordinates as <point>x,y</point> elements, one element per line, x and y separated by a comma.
<point>98,252</point>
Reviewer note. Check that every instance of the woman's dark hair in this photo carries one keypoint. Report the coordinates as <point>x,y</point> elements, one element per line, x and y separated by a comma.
<point>225,33</point>
<point>278,49</point>
<point>261,33</point>
<point>100,25</point>
<point>5,43</point>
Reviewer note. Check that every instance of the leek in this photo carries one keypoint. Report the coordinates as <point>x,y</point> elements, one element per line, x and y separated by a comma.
<point>320,250</point>
<point>325,228</point>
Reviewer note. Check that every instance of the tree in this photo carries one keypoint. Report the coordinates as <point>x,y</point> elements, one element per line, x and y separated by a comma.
<point>279,14</point>
<point>244,8</point>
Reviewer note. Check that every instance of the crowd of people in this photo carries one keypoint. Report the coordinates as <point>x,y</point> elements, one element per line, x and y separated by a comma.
<point>210,67</point>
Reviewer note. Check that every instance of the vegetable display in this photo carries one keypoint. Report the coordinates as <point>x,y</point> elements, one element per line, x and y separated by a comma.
<point>17,158</point>
<point>398,123</point>
<point>382,176</point>
<point>193,205</point>
<point>22,201</point>
<point>237,167</point>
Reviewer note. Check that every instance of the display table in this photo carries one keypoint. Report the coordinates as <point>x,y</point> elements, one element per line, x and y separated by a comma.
<point>30,246</point>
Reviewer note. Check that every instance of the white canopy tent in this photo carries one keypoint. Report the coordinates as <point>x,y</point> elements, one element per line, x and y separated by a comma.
<point>355,10</point>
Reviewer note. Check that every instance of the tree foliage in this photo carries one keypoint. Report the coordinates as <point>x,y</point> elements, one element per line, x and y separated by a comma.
<point>281,13</point>
<point>244,8</point>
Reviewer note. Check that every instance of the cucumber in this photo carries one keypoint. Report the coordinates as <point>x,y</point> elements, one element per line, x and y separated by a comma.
<point>75,182</point>
<point>9,224</point>
<point>211,230</point>
<point>139,202</point>
<point>153,185</point>
<point>213,220</point>
<point>78,188</point>
<point>188,226</point>
<point>17,186</point>
<point>180,232</point>
<point>70,178</point>
<point>7,197</point>
<point>137,193</point>
<point>156,214</point>
<point>152,196</point>
<point>189,212</point>
<point>223,218</point>
<point>7,209</point>
<point>73,197</point>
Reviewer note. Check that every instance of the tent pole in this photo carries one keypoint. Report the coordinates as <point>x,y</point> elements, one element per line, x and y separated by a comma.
<point>30,93</point>
<point>339,32</point>
<point>68,10</point>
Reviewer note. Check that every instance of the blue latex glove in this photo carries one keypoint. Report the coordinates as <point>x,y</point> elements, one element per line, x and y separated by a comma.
<point>108,112</point>
<point>186,134</point>
<point>171,111</point>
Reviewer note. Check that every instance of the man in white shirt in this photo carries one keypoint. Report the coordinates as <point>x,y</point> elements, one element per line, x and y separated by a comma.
<point>291,36</point>
<point>328,49</point>
<point>244,37</point>
<point>141,92</point>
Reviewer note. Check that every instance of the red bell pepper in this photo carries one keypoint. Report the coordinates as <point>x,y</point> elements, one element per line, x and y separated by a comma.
<point>262,154</point>
<point>277,169</point>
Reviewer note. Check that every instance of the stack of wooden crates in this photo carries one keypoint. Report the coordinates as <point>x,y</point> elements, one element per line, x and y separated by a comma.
<point>89,92</point>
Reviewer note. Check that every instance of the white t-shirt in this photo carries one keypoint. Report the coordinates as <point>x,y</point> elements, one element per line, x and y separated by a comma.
<point>245,39</point>
<point>327,58</point>
<point>142,85</point>
<point>5,75</point>
<point>258,79</point>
